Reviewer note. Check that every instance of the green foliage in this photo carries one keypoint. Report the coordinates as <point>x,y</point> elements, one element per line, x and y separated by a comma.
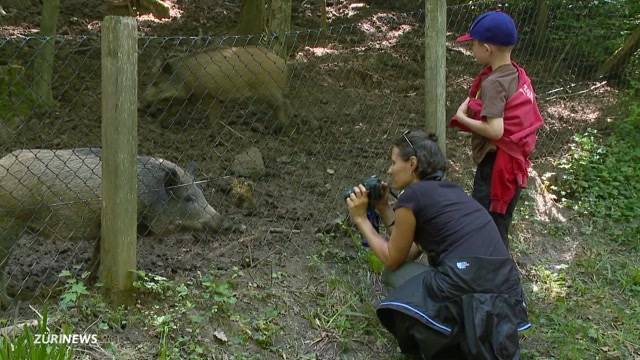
<point>25,346</point>
<point>151,283</point>
<point>587,309</point>
<point>601,174</point>
<point>632,102</point>
<point>164,347</point>
<point>342,308</point>
<point>16,99</point>
<point>600,27</point>
<point>73,289</point>
<point>220,292</point>
<point>364,253</point>
<point>376,265</point>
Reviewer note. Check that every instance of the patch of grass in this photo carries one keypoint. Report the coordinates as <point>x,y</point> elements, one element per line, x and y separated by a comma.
<point>344,312</point>
<point>589,308</point>
<point>26,345</point>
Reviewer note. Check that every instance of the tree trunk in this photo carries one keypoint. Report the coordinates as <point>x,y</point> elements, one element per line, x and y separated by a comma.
<point>323,14</point>
<point>280,25</point>
<point>614,66</point>
<point>542,20</point>
<point>43,67</point>
<point>252,19</point>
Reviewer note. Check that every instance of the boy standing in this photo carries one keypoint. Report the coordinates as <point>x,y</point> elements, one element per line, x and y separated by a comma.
<point>502,114</point>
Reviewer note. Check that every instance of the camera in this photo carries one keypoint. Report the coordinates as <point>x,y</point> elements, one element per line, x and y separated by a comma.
<point>373,184</point>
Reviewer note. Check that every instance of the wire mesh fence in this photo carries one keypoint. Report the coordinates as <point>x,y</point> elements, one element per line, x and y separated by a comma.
<point>271,144</point>
<point>557,46</point>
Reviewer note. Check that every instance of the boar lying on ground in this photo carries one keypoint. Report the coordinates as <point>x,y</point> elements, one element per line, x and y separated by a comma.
<point>56,195</point>
<point>236,74</point>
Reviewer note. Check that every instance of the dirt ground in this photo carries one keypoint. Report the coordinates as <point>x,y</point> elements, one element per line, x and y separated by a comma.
<point>352,90</point>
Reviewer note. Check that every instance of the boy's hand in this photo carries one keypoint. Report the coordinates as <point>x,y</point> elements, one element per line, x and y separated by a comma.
<point>462,109</point>
<point>357,204</point>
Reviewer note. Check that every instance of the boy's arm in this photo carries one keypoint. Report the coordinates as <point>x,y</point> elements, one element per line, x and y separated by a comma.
<point>492,129</point>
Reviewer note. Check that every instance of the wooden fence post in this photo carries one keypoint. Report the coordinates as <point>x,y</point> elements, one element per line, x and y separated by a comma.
<point>435,31</point>
<point>119,151</point>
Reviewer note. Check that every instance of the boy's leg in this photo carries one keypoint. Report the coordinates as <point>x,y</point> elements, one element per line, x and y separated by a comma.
<point>482,194</point>
<point>503,222</point>
<point>482,180</point>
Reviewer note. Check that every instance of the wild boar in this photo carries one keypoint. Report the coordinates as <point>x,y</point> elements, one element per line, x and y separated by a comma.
<point>235,74</point>
<point>56,195</point>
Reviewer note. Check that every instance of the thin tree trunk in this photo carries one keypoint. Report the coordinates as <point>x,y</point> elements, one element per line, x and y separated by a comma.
<point>542,20</point>
<point>323,14</point>
<point>252,20</point>
<point>280,24</point>
<point>43,70</point>
<point>614,65</point>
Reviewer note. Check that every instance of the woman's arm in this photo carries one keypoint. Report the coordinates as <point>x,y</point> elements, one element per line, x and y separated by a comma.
<point>388,218</point>
<point>394,252</point>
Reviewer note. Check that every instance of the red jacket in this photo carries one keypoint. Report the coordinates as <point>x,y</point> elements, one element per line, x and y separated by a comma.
<point>522,119</point>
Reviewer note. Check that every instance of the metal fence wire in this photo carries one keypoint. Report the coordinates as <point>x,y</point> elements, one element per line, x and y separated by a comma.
<point>236,143</point>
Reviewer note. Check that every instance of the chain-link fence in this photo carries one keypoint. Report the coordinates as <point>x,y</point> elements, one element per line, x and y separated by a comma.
<point>272,144</point>
<point>563,46</point>
<point>44,194</point>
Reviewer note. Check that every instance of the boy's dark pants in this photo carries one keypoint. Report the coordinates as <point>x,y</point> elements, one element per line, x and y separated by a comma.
<point>482,192</point>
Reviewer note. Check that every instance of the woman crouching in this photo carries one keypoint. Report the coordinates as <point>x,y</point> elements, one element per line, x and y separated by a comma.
<point>468,302</point>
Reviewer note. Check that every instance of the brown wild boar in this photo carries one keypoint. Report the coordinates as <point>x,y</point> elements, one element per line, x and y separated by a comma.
<point>238,74</point>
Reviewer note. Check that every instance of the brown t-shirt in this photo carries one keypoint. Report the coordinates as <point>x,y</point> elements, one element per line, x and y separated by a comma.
<point>494,92</point>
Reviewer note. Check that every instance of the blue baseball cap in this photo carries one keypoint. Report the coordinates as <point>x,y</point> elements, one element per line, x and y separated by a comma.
<point>493,27</point>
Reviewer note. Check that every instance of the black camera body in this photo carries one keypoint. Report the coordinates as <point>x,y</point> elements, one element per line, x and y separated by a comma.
<point>373,184</point>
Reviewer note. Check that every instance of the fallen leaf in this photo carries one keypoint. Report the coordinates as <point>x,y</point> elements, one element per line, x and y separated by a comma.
<point>221,335</point>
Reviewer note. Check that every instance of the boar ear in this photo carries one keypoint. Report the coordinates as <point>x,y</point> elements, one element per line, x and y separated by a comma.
<point>171,178</point>
<point>192,168</point>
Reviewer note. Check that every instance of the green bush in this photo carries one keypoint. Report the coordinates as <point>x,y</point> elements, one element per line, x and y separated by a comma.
<point>600,27</point>
<point>602,172</point>
<point>601,180</point>
<point>16,99</point>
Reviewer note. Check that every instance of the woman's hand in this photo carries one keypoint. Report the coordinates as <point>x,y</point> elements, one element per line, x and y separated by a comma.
<point>357,204</point>
<point>383,202</point>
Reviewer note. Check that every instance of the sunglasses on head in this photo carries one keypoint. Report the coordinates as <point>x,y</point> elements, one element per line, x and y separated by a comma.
<point>404,134</point>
